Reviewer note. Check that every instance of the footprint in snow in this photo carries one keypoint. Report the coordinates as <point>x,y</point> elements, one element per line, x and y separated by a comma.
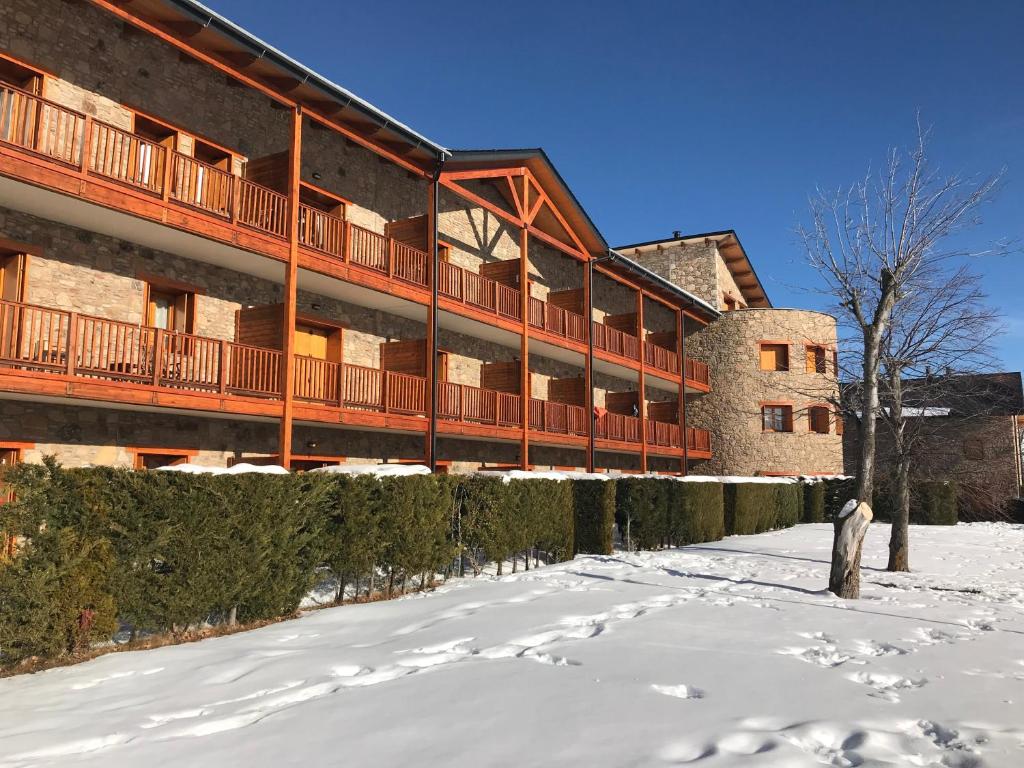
<point>679,691</point>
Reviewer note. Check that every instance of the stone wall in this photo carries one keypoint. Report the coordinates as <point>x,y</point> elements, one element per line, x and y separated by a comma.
<point>474,234</point>
<point>378,190</point>
<point>611,297</point>
<point>732,410</point>
<point>691,266</point>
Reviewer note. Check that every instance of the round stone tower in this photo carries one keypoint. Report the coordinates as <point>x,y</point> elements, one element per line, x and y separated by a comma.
<point>773,385</point>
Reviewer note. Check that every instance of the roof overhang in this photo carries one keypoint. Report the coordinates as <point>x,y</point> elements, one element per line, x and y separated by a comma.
<point>654,283</point>
<point>204,30</point>
<point>545,174</point>
<point>733,253</point>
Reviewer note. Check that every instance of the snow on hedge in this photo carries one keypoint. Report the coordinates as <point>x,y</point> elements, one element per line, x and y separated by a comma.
<point>378,470</point>
<point>237,469</point>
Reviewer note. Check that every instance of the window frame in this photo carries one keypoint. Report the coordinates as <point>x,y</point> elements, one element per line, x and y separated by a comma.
<point>782,343</point>
<point>786,410</point>
<point>181,455</point>
<point>824,413</point>
<point>814,365</point>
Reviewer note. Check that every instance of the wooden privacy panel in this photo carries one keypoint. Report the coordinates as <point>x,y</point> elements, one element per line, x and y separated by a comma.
<point>501,377</point>
<point>412,232</point>
<point>504,272</point>
<point>570,301</point>
<point>409,357</point>
<point>664,339</point>
<point>622,402</point>
<point>625,322</point>
<point>569,391</point>
<point>270,171</point>
<point>667,411</point>
<point>260,326</point>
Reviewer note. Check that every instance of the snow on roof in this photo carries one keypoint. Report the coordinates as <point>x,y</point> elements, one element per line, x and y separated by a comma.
<point>378,470</point>
<point>237,469</point>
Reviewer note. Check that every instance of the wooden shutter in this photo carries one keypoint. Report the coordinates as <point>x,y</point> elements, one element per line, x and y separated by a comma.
<point>184,312</point>
<point>12,277</point>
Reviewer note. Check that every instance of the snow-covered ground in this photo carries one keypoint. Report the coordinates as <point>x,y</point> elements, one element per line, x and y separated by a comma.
<point>727,654</point>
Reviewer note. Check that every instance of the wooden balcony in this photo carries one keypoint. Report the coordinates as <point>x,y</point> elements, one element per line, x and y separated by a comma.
<point>698,374</point>
<point>557,321</point>
<point>479,292</point>
<point>108,357</point>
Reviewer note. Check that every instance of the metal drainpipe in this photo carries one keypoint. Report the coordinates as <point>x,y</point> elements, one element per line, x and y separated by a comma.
<point>433,317</point>
<point>590,344</point>
<point>686,423</point>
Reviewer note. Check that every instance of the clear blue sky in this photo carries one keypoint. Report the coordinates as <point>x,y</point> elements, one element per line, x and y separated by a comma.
<point>693,115</point>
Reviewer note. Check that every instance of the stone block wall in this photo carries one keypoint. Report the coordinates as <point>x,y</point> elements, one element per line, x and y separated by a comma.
<point>611,297</point>
<point>692,266</point>
<point>732,410</point>
<point>475,235</point>
<point>378,190</point>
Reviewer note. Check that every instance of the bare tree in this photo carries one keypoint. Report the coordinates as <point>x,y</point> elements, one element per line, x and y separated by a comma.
<point>941,324</point>
<point>869,243</point>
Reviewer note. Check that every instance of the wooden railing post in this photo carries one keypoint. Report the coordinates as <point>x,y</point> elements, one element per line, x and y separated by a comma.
<point>222,367</point>
<point>390,256</point>
<point>346,254</point>
<point>86,145</point>
<point>384,398</point>
<point>236,182</point>
<point>341,385</point>
<point>158,355</point>
<point>71,344</point>
<point>168,162</point>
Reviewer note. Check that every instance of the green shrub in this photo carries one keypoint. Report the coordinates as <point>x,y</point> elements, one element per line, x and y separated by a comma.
<point>814,502</point>
<point>933,503</point>
<point>593,516</point>
<point>837,493</point>
<point>697,512</point>
<point>756,507</point>
<point>788,506</point>
<point>642,511</point>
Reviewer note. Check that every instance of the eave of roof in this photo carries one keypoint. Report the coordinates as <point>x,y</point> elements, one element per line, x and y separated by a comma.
<point>537,160</point>
<point>263,50</point>
<point>755,296</point>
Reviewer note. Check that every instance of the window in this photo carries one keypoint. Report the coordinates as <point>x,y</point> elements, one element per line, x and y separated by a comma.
<point>777,418</point>
<point>774,356</point>
<point>154,458</point>
<point>12,276</point>
<point>171,309</point>
<point>817,418</point>
<point>815,359</point>
<point>974,449</point>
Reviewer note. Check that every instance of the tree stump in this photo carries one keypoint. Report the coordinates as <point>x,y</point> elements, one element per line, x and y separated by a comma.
<point>851,525</point>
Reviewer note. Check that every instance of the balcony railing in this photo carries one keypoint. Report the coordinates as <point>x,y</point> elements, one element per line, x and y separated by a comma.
<point>201,185</point>
<point>698,439</point>
<point>461,402</point>
<point>558,418</point>
<point>557,321</point>
<point>616,426</point>
<point>615,341</point>
<point>661,358</point>
<point>40,126</point>
<point>478,291</point>
<point>698,371</point>
<point>54,341</point>
<point>664,434</point>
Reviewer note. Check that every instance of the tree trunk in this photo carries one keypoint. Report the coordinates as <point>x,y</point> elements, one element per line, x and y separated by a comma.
<point>899,539</point>
<point>850,528</point>
<point>233,616</point>
<point>868,420</point>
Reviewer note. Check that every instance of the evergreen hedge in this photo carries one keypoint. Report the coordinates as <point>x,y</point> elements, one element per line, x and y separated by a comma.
<point>932,502</point>
<point>697,513</point>
<point>814,502</point>
<point>593,516</point>
<point>756,507</point>
<point>105,549</point>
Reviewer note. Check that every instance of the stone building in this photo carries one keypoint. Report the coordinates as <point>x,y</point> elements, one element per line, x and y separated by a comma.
<point>965,428</point>
<point>771,408</point>
<point>211,254</point>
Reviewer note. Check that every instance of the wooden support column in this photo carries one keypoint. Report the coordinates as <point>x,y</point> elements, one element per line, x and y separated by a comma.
<point>641,380</point>
<point>588,372</point>
<point>284,453</point>
<point>524,345</point>
<point>681,357</point>
<point>431,352</point>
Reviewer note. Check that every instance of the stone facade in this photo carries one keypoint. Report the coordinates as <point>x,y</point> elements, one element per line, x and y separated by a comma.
<point>697,267</point>
<point>732,410</point>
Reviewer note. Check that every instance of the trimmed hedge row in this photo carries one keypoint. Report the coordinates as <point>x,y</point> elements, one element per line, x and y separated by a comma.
<point>932,502</point>
<point>112,549</point>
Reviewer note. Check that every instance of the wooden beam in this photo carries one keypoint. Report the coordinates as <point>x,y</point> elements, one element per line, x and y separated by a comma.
<point>515,197</point>
<point>681,357</point>
<point>588,362</point>
<point>282,84</point>
<point>641,381</point>
<point>240,59</point>
<point>184,28</point>
<point>251,82</point>
<point>485,173</point>
<point>524,341</point>
<point>558,216</point>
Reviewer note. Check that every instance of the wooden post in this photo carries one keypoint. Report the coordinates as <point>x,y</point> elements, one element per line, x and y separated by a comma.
<point>291,290</point>
<point>222,371</point>
<point>158,354</point>
<point>431,341</point>
<point>524,346</point>
<point>86,146</point>
<point>72,342</point>
<point>168,162</point>
<point>641,396</point>
<point>588,364</point>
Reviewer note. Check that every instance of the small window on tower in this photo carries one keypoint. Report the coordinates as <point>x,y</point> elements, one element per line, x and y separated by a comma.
<point>774,357</point>
<point>818,418</point>
<point>815,359</point>
<point>777,418</point>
